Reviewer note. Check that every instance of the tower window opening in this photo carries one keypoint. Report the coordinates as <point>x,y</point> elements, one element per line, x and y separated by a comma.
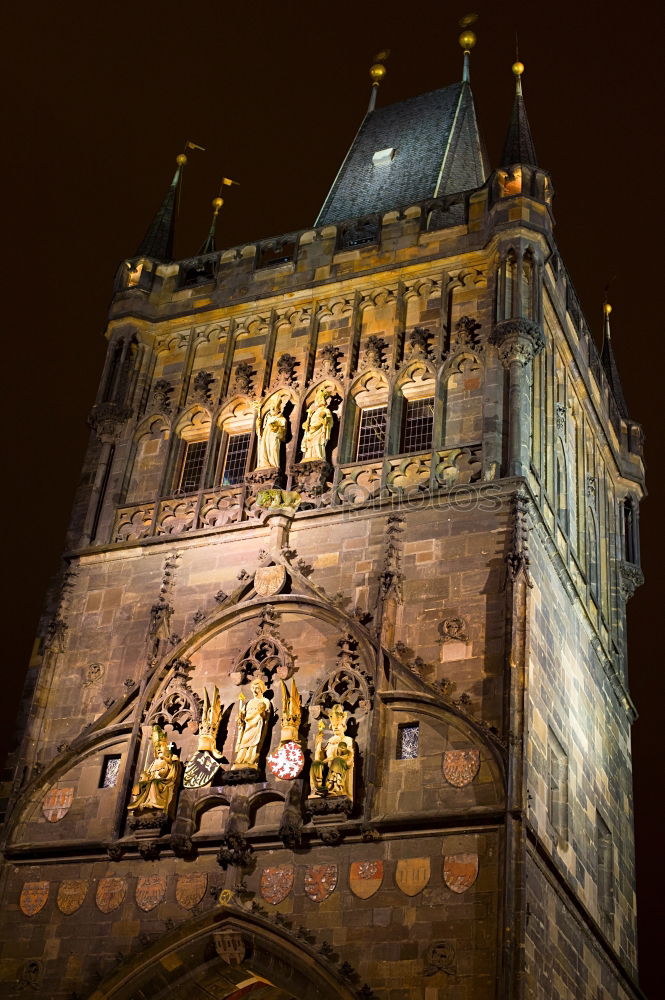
<point>110,770</point>
<point>371,433</point>
<point>510,270</point>
<point>408,740</point>
<point>557,790</point>
<point>527,287</point>
<point>630,553</point>
<point>605,867</point>
<point>192,466</point>
<point>235,459</point>
<point>418,425</point>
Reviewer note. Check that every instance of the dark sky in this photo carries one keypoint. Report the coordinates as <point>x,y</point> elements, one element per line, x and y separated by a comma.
<point>103,96</point>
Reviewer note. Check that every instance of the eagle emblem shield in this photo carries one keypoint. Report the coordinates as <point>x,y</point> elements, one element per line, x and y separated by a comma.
<point>150,891</point>
<point>110,894</point>
<point>190,889</point>
<point>460,766</point>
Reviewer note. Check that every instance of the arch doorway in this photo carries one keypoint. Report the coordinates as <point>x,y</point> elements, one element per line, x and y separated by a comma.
<point>227,954</point>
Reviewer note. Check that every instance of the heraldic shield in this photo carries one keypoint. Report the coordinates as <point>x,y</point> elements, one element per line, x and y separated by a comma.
<point>230,947</point>
<point>277,883</point>
<point>71,894</point>
<point>460,871</point>
<point>110,894</point>
<point>412,875</point>
<point>33,897</point>
<point>460,766</point>
<point>56,803</point>
<point>365,878</point>
<point>190,889</point>
<point>150,891</point>
<point>320,881</point>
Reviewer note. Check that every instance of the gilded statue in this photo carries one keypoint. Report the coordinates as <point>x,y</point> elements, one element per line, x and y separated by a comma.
<point>317,428</point>
<point>271,431</point>
<point>156,787</point>
<point>251,726</point>
<point>331,772</point>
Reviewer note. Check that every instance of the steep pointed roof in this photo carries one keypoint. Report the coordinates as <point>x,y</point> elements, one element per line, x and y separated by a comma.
<point>404,153</point>
<point>158,240</point>
<point>609,364</point>
<point>518,147</point>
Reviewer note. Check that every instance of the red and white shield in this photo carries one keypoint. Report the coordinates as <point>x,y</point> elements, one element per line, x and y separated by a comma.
<point>460,871</point>
<point>460,766</point>
<point>287,761</point>
<point>365,878</point>
<point>150,891</point>
<point>56,803</point>
<point>277,883</point>
<point>320,881</point>
<point>33,897</point>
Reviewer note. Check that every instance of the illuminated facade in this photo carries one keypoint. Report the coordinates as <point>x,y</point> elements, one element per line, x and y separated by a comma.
<point>332,701</point>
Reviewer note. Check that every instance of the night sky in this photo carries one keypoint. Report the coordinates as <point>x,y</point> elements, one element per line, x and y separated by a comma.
<point>103,97</point>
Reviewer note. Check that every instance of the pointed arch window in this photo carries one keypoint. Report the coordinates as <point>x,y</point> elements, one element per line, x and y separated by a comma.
<point>508,286</point>
<point>192,466</point>
<point>233,444</point>
<point>371,438</point>
<point>527,286</point>
<point>592,555</point>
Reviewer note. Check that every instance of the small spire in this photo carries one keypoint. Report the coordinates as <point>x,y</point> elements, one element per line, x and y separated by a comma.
<point>210,246</point>
<point>377,72</point>
<point>518,147</point>
<point>609,364</point>
<point>467,40</point>
<point>158,240</point>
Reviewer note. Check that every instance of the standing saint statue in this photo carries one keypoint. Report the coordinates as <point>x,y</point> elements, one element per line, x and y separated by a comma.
<point>251,726</point>
<point>156,787</point>
<point>271,431</point>
<point>317,428</point>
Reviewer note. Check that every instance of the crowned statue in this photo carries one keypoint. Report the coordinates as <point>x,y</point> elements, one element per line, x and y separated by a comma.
<point>317,428</point>
<point>251,726</point>
<point>156,788</point>
<point>271,431</point>
<point>331,772</point>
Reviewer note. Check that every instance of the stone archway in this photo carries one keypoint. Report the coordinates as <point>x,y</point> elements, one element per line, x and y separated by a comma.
<point>227,954</point>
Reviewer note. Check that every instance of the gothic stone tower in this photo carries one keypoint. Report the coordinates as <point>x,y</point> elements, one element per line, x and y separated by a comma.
<point>333,702</point>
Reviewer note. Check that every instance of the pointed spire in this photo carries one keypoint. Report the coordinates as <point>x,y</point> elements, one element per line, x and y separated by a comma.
<point>377,73</point>
<point>518,147</point>
<point>609,364</point>
<point>158,240</point>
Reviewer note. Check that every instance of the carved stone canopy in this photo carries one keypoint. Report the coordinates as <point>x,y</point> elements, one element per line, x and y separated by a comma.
<point>266,654</point>
<point>178,706</point>
<point>518,341</point>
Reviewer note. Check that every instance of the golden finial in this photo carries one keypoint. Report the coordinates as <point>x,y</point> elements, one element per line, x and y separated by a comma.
<point>181,159</point>
<point>607,308</point>
<point>518,68</point>
<point>377,73</point>
<point>467,40</point>
<point>217,204</point>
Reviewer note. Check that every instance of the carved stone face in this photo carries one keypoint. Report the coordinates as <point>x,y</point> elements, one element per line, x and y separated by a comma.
<point>257,688</point>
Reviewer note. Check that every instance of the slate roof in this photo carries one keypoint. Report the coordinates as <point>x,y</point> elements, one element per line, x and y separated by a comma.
<point>158,240</point>
<point>519,147</point>
<point>437,152</point>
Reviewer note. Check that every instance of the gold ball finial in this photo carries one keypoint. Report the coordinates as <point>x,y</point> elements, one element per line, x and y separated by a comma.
<point>518,68</point>
<point>181,159</point>
<point>377,73</point>
<point>217,203</point>
<point>607,308</point>
<point>467,40</point>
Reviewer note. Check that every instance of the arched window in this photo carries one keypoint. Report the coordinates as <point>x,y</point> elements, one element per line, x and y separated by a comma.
<point>148,460</point>
<point>527,285</point>
<point>629,531</point>
<point>561,488</point>
<point>236,425</point>
<point>368,424</point>
<point>190,459</point>
<point>509,279</point>
<point>592,555</point>
<point>414,410</point>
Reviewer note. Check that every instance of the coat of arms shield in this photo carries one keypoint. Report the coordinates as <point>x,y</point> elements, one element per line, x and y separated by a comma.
<point>150,890</point>
<point>460,766</point>
<point>33,897</point>
<point>320,881</point>
<point>365,878</point>
<point>412,875</point>
<point>460,871</point>
<point>71,894</point>
<point>110,894</point>
<point>56,803</point>
<point>230,947</point>
<point>200,770</point>
<point>190,889</point>
<point>277,883</point>
<point>269,580</point>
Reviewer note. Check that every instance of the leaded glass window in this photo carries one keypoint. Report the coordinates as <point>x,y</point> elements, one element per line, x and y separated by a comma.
<point>235,459</point>
<point>110,770</point>
<point>192,466</point>
<point>371,433</point>
<point>418,424</point>
<point>408,740</point>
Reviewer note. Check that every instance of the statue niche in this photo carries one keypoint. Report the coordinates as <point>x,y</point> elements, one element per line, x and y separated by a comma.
<point>332,768</point>
<point>317,428</point>
<point>271,432</point>
<point>251,729</point>
<point>154,795</point>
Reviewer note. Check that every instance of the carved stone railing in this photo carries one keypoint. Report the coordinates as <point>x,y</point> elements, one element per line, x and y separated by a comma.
<point>133,523</point>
